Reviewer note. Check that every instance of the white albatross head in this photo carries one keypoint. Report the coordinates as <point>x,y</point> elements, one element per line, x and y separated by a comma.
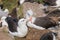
<point>21,1</point>
<point>6,11</point>
<point>22,21</point>
<point>29,14</point>
<point>3,18</point>
<point>4,23</point>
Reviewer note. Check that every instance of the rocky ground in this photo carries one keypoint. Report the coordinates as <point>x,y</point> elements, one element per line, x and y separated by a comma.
<point>36,8</point>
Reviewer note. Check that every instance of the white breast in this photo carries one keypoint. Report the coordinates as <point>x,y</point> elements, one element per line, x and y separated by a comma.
<point>58,2</point>
<point>22,29</point>
<point>4,24</point>
<point>32,25</point>
<point>22,32</point>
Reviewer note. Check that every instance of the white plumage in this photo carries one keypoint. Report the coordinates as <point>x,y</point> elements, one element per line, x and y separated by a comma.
<point>4,13</point>
<point>21,1</point>
<point>32,25</point>
<point>4,23</point>
<point>54,37</point>
<point>58,4</point>
<point>22,29</point>
<point>31,20</point>
<point>29,13</point>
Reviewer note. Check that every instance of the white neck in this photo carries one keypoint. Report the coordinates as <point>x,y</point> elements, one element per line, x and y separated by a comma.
<point>22,30</point>
<point>4,23</point>
<point>32,25</point>
<point>22,1</point>
<point>54,38</point>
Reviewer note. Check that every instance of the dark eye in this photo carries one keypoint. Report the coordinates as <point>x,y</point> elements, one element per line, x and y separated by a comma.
<point>28,14</point>
<point>22,21</point>
<point>59,20</point>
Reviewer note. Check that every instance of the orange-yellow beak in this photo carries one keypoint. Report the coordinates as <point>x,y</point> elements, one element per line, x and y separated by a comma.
<point>30,19</point>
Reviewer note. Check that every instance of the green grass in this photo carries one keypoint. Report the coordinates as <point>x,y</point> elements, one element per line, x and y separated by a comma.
<point>10,4</point>
<point>41,1</point>
<point>20,11</point>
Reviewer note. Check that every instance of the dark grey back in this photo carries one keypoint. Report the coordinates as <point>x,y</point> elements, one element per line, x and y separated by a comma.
<point>49,2</point>
<point>45,22</point>
<point>11,24</point>
<point>47,36</point>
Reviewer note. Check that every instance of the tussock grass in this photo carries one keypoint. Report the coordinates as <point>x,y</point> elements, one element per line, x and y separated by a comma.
<point>10,4</point>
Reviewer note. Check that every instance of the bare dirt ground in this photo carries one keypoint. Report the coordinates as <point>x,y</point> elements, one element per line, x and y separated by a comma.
<point>5,36</point>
